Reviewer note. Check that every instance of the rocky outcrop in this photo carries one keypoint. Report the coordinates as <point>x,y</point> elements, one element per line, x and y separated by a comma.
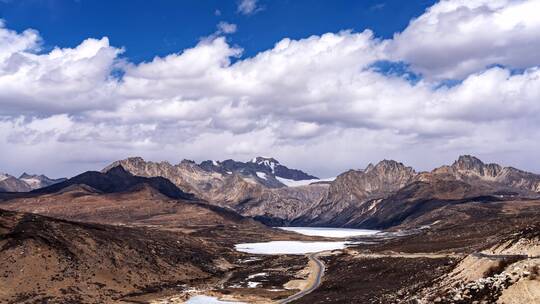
<point>356,193</point>
<point>506,272</point>
<point>472,170</point>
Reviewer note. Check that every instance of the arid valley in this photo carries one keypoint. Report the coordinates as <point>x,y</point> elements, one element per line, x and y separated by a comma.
<point>269,152</point>
<point>464,233</point>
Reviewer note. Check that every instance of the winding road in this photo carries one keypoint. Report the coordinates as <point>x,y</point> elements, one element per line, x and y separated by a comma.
<point>312,284</point>
<point>503,256</point>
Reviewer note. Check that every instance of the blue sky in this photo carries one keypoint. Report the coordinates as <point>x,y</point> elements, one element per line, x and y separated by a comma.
<point>156,28</point>
<point>324,86</point>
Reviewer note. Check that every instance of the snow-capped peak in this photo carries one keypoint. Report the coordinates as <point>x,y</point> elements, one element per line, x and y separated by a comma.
<point>3,176</point>
<point>266,161</point>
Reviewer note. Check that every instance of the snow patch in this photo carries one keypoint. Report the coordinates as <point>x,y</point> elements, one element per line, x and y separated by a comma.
<point>262,274</point>
<point>32,182</point>
<point>266,162</point>
<point>215,163</point>
<point>3,176</point>
<point>261,175</point>
<point>305,182</point>
<point>253,284</point>
<point>251,259</point>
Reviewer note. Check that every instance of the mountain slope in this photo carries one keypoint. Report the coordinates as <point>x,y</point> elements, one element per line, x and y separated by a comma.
<point>141,205</point>
<point>381,195</point>
<point>355,191</point>
<point>39,181</point>
<point>45,260</point>
<point>389,193</point>
<point>10,183</point>
<point>472,170</point>
<point>117,180</point>
<point>25,182</point>
<point>252,188</point>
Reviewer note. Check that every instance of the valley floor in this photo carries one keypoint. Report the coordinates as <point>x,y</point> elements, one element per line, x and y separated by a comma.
<point>46,260</point>
<point>482,266</point>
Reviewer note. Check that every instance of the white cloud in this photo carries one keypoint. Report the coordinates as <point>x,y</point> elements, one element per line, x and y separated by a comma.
<point>226,28</point>
<point>453,39</point>
<point>301,101</point>
<point>248,7</point>
<point>59,81</point>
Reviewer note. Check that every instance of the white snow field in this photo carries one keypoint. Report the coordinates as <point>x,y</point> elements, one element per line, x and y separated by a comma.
<point>330,232</point>
<point>295,183</point>
<point>288,247</point>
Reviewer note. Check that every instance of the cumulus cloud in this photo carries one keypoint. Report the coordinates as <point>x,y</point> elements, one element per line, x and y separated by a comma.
<point>302,101</point>
<point>453,39</point>
<point>63,80</point>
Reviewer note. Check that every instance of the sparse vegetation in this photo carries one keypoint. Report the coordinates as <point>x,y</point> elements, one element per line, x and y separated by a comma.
<point>501,266</point>
<point>535,273</point>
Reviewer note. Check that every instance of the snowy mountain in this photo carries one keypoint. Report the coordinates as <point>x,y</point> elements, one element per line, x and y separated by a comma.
<point>39,181</point>
<point>261,188</point>
<point>263,170</point>
<point>3,176</point>
<point>26,182</point>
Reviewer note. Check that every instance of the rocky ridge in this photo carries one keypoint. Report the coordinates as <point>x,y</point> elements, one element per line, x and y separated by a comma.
<point>382,195</point>
<point>26,182</point>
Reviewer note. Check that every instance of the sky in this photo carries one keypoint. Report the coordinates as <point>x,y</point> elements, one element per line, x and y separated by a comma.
<point>323,86</point>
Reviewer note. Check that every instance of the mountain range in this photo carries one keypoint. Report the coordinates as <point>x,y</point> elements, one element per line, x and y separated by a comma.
<point>383,195</point>
<point>137,230</point>
<point>26,182</point>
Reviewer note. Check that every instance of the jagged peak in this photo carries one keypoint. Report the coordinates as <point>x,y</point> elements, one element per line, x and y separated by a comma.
<point>26,175</point>
<point>472,163</point>
<point>264,160</point>
<point>468,160</point>
<point>215,163</point>
<point>187,162</point>
<point>4,176</point>
<point>118,170</point>
<point>134,159</point>
<point>130,161</point>
<point>388,165</point>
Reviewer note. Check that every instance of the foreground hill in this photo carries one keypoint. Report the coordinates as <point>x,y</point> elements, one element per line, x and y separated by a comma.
<point>142,205</point>
<point>119,198</point>
<point>117,180</point>
<point>45,260</point>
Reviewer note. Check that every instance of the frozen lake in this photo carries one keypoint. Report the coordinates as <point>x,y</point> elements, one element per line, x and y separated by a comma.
<point>208,300</point>
<point>288,247</point>
<point>303,247</point>
<point>330,232</point>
